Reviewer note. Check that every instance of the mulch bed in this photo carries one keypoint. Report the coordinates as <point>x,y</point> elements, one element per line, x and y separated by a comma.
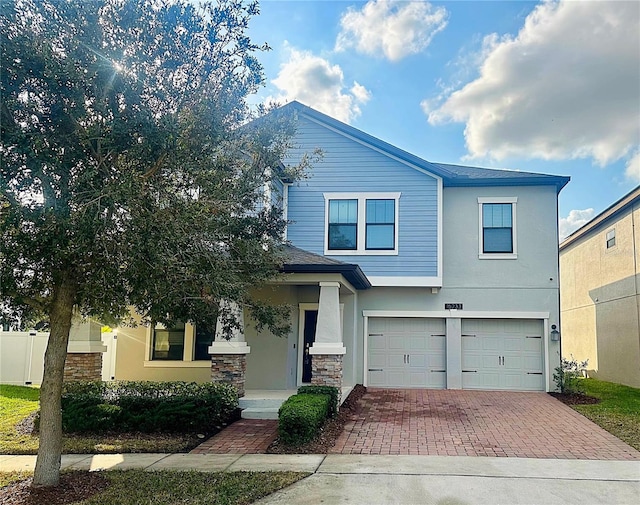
<point>575,398</point>
<point>330,431</point>
<point>73,487</point>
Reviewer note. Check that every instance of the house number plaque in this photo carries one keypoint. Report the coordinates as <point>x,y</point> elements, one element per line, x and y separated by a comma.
<point>452,306</point>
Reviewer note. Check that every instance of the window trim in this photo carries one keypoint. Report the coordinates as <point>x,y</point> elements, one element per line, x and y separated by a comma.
<point>362,198</point>
<point>514,235</point>
<point>609,236</point>
<point>187,353</point>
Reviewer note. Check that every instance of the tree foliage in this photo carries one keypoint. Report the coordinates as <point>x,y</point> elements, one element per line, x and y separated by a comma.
<point>131,176</point>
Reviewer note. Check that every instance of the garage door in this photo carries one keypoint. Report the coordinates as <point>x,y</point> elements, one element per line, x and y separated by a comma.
<point>406,352</point>
<point>502,354</point>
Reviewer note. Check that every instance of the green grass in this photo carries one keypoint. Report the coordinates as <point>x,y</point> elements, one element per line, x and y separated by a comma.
<point>7,478</point>
<point>132,487</point>
<point>18,402</point>
<point>618,411</point>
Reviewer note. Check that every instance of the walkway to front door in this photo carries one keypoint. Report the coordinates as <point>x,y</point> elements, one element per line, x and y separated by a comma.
<point>475,423</point>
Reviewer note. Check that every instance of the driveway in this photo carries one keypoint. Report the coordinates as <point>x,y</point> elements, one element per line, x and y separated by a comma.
<point>475,423</point>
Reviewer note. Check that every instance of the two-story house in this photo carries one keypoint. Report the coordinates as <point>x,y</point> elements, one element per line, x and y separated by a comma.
<point>600,299</point>
<point>401,273</point>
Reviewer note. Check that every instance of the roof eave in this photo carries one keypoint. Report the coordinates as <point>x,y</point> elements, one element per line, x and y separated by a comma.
<point>353,273</point>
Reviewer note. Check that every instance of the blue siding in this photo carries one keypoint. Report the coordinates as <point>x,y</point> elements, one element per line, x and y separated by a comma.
<point>349,166</point>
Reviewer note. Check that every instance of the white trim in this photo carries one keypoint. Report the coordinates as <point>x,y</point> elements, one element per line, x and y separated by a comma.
<point>361,224</point>
<point>457,313</point>
<point>229,347</point>
<point>365,350</point>
<point>399,281</point>
<point>177,364</point>
<point>86,346</point>
<point>513,200</point>
<point>546,336</point>
<point>285,208</point>
<point>439,240</point>
<point>327,348</point>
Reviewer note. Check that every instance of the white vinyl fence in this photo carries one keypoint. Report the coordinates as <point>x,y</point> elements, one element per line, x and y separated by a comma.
<point>22,357</point>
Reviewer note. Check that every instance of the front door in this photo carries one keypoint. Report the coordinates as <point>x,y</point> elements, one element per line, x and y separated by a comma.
<point>310,322</point>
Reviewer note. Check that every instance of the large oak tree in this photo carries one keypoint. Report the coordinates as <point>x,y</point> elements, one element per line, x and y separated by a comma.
<point>131,175</point>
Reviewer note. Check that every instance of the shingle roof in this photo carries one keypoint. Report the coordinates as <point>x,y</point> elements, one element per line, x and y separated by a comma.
<point>452,175</point>
<point>299,261</point>
<point>296,256</point>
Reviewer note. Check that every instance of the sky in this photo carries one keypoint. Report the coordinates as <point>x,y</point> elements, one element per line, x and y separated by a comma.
<point>550,87</point>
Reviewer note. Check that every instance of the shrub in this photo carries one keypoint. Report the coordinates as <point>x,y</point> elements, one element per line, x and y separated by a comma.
<point>301,417</point>
<point>179,407</point>
<point>568,375</point>
<point>331,391</point>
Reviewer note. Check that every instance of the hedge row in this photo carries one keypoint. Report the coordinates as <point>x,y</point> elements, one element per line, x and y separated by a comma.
<point>148,407</point>
<point>302,416</point>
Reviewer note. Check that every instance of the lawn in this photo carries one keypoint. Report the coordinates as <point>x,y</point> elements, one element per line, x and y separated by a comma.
<point>18,402</point>
<point>132,487</point>
<point>618,411</point>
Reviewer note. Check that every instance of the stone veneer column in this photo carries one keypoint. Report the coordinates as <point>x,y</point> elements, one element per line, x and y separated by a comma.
<point>328,349</point>
<point>84,352</point>
<point>229,357</point>
<point>83,366</point>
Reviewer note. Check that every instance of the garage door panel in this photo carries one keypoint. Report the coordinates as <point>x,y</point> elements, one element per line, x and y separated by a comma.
<point>437,379</point>
<point>507,354</point>
<point>418,361</point>
<point>396,360</point>
<point>412,347</point>
<point>377,342</point>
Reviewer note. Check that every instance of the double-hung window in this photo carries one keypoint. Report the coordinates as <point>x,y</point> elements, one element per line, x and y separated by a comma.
<point>168,343</point>
<point>361,223</point>
<point>497,231</point>
<point>611,238</point>
<point>343,224</point>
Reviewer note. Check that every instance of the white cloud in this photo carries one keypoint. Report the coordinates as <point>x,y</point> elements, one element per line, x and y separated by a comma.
<point>362,94</point>
<point>395,29</point>
<point>633,167</point>
<point>573,221</point>
<point>565,87</point>
<point>314,81</point>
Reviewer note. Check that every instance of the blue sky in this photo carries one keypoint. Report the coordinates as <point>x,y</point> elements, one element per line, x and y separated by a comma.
<point>551,87</point>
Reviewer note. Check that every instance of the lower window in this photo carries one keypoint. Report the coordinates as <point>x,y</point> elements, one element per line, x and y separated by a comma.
<point>168,343</point>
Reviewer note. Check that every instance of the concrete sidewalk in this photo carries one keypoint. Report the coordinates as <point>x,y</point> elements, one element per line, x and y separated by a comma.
<point>366,479</point>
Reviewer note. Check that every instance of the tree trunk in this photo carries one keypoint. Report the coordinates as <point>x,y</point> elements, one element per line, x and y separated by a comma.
<point>47,471</point>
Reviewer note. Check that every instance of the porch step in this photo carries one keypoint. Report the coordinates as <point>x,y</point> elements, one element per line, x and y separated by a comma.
<point>260,403</point>
<point>260,413</point>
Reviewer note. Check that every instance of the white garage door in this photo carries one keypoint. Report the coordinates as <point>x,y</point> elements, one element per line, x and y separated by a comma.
<point>502,354</point>
<point>406,352</point>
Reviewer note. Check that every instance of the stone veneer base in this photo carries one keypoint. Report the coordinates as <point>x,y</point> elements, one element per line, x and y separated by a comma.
<point>229,369</point>
<point>83,366</point>
<point>326,370</point>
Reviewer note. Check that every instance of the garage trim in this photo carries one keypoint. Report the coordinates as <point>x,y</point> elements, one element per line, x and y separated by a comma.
<point>462,314</point>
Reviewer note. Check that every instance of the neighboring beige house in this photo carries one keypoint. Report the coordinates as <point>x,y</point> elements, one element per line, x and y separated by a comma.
<point>599,300</point>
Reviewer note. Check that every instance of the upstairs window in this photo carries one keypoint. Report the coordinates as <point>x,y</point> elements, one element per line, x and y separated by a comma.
<point>497,228</point>
<point>343,224</point>
<point>361,223</point>
<point>611,238</point>
<point>381,224</point>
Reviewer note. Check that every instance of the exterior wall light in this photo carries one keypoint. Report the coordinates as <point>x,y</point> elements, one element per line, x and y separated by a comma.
<point>555,334</point>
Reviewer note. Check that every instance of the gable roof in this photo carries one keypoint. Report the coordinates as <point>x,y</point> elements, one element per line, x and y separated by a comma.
<point>452,175</point>
<point>604,218</point>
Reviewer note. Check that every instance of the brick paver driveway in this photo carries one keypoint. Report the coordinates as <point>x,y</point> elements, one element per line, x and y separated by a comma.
<point>475,423</point>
